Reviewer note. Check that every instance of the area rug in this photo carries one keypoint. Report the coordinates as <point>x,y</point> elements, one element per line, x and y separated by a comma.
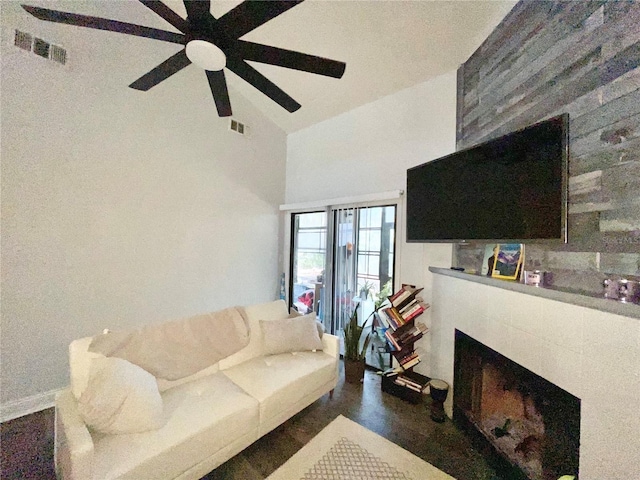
<point>344,450</point>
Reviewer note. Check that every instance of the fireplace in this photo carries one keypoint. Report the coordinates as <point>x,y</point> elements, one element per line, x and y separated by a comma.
<point>529,426</point>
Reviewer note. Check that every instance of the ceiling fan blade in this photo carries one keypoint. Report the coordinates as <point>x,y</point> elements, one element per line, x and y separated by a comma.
<point>163,71</point>
<point>104,24</point>
<point>262,83</point>
<point>251,14</point>
<point>166,13</point>
<point>289,59</point>
<point>197,8</point>
<point>218,86</point>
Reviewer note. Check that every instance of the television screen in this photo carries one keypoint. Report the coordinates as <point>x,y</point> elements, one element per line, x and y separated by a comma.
<point>512,188</point>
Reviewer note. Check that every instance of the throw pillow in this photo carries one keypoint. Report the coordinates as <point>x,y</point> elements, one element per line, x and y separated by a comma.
<point>293,313</point>
<point>296,334</point>
<point>120,398</point>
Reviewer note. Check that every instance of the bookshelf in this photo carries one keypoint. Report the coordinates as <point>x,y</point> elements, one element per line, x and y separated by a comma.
<point>399,319</point>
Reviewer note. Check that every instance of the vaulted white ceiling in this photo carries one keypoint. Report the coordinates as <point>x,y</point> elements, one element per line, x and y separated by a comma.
<point>386,45</point>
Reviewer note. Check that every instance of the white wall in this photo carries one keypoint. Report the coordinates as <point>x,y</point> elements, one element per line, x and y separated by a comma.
<point>592,354</point>
<point>119,207</point>
<point>368,150</point>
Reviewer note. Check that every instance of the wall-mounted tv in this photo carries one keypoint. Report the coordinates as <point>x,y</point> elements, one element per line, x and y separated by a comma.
<point>512,188</point>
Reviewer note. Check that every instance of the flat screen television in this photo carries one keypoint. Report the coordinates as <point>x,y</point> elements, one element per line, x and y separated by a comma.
<point>512,188</point>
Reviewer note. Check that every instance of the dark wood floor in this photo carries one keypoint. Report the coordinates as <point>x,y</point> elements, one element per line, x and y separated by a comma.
<point>27,442</point>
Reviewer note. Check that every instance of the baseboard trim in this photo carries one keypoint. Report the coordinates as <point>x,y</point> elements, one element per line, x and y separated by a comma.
<point>25,406</point>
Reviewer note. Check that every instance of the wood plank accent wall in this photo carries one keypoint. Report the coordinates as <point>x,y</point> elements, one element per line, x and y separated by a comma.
<point>550,57</point>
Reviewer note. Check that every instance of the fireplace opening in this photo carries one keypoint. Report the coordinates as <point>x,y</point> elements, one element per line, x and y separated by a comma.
<point>527,426</point>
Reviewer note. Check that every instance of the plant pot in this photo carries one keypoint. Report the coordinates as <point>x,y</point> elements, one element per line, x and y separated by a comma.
<point>353,371</point>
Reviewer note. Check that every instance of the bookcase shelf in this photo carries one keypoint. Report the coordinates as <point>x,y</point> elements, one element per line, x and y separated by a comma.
<point>401,330</point>
<point>389,385</point>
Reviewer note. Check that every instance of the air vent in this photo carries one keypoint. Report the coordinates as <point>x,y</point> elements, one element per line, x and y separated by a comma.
<point>23,40</point>
<point>237,127</point>
<point>58,54</point>
<point>40,47</point>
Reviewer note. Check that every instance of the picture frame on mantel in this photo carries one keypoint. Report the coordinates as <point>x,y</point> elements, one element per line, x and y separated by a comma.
<point>507,261</point>
<point>489,259</point>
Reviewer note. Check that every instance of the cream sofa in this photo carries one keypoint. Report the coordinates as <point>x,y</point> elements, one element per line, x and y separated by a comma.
<point>208,417</point>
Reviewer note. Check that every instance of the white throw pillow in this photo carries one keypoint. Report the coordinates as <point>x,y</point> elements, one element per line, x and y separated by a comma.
<point>293,313</point>
<point>120,398</point>
<point>296,334</point>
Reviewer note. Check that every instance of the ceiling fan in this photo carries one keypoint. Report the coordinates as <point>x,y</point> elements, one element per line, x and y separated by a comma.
<point>213,44</point>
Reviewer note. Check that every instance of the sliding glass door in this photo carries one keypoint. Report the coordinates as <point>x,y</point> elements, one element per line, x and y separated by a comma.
<point>343,260</point>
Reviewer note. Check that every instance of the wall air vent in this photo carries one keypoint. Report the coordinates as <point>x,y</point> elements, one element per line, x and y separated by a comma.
<point>237,127</point>
<point>58,54</point>
<point>23,40</point>
<point>40,47</point>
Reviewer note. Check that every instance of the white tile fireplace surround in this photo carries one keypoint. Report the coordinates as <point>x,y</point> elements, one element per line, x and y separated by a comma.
<point>587,346</point>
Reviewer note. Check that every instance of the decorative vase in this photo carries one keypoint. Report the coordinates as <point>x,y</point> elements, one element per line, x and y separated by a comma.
<point>353,371</point>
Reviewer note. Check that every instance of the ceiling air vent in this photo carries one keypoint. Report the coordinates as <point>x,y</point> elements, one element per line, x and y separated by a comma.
<point>23,40</point>
<point>237,127</point>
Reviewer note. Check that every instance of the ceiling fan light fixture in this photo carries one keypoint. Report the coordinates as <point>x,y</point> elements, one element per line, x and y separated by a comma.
<point>206,55</point>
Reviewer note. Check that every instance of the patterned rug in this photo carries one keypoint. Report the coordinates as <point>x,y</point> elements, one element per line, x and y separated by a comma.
<point>344,450</point>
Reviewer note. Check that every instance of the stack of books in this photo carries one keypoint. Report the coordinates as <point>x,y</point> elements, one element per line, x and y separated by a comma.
<point>405,335</point>
<point>405,306</point>
<point>409,360</point>
<point>409,383</point>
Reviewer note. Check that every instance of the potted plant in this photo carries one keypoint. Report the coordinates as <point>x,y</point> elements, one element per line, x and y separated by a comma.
<point>355,349</point>
<point>366,290</point>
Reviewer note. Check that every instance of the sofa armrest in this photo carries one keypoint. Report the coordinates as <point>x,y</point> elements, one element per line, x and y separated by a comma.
<point>73,443</point>
<point>331,345</point>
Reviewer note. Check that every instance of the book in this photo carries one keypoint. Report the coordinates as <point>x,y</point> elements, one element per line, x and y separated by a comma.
<point>405,381</point>
<point>394,318</point>
<point>415,311</point>
<point>507,261</point>
<point>404,296</point>
<point>386,318</point>
<point>412,334</point>
<point>382,318</point>
<point>393,343</point>
<point>404,361</point>
<point>416,300</point>
<point>400,295</point>
<point>401,381</point>
<point>489,259</point>
<point>411,363</point>
<point>408,299</point>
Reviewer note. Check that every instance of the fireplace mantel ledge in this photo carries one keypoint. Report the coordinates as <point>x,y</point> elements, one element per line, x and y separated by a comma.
<point>552,293</point>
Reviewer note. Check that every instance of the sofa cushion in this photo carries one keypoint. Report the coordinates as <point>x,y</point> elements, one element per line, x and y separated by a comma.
<point>164,385</point>
<point>280,381</point>
<point>296,334</point>
<point>254,313</point>
<point>202,417</point>
<point>80,360</point>
<point>179,348</point>
<point>120,398</point>
<point>293,313</point>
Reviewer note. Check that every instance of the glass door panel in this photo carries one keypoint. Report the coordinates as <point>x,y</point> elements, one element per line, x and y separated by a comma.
<point>308,261</point>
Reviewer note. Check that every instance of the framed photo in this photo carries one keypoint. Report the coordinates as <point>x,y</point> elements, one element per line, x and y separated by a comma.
<point>507,261</point>
<point>489,259</point>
